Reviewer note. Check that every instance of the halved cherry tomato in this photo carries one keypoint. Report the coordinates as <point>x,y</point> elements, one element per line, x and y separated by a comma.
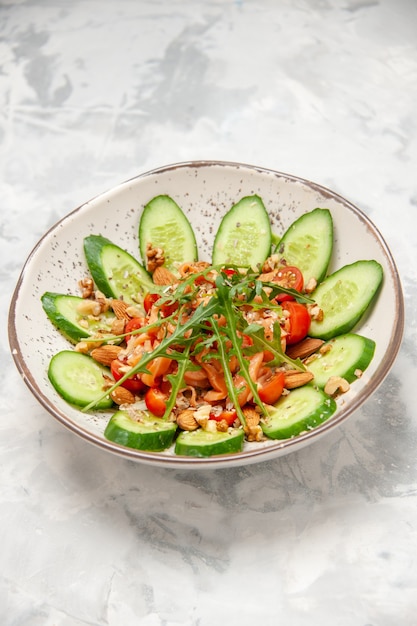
<point>228,416</point>
<point>289,277</point>
<point>133,324</point>
<point>156,401</point>
<point>149,300</point>
<point>133,383</point>
<point>299,321</point>
<point>270,386</point>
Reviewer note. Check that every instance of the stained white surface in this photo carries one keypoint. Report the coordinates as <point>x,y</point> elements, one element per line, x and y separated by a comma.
<point>94,92</point>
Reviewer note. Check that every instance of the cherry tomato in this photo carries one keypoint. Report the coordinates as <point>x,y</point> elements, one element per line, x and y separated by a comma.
<point>156,401</point>
<point>229,271</point>
<point>149,300</point>
<point>229,416</point>
<point>165,309</point>
<point>133,383</point>
<point>289,277</point>
<point>270,386</point>
<point>299,321</point>
<point>133,324</point>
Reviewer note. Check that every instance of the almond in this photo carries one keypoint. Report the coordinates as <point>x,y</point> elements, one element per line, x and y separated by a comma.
<point>304,348</point>
<point>162,276</point>
<point>120,309</point>
<point>295,378</point>
<point>186,420</point>
<point>121,395</point>
<point>105,354</point>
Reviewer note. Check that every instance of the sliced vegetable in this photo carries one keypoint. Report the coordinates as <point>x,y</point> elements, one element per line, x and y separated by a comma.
<point>308,244</point>
<point>164,225</point>
<point>344,296</point>
<point>79,379</point>
<point>71,315</point>
<point>116,272</point>
<point>202,443</point>
<point>145,432</point>
<point>302,409</point>
<point>299,321</point>
<point>346,356</point>
<point>244,235</point>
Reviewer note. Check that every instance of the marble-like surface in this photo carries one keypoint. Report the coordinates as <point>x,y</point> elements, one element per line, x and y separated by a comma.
<point>93,92</point>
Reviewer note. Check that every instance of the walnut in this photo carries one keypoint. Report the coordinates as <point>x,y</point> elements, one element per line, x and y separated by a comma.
<point>154,258</point>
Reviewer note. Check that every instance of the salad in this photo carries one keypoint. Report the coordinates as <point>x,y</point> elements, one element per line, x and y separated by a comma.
<point>205,356</point>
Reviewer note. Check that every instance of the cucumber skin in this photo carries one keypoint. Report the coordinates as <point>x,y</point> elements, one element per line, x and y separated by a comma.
<point>151,214</point>
<point>309,219</point>
<point>184,445</point>
<point>120,431</point>
<point>71,331</point>
<point>94,246</point>
<point>321,375</point>
<point>220,256</point>
<point>55,377</point>
<point>322,330</point>
<point>276,427</point>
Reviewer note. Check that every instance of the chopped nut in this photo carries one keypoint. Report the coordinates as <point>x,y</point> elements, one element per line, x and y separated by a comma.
<point>336,385</point>
<point>186,420</point>
<point>118,327</point>
<point>358,373</point>
<point>295,378</point>
<point>154,258</point>
<point>252,429</point>
<point>162,276</point>
<point>105,354</point>
<point>316,313</point>
<point>121,395</point>
<point>120,309</point>
<point>86,285</point>
<point>311,285</point>
<point>89,307</point>
<point>304,348</point>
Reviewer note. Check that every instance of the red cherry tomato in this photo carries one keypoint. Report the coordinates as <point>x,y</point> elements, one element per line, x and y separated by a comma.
<point>156,401</point>
<point>289,277</point>
<point>299,321</point>
<point>270,386</point>
<point>149,300</point>
<point>133,324</point>
<point>133,383</point>
<point>229,416</point>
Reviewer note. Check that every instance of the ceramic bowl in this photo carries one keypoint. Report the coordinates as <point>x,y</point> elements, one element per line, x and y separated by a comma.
<point>205,190</point>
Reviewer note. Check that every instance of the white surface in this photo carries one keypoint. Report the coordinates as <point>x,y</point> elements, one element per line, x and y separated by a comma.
<point>94,92</point>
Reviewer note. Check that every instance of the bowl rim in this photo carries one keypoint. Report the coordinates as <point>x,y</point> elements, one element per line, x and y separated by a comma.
<point>277,447</point>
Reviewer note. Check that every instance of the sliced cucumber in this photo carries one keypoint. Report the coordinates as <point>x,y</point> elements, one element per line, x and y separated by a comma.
<point>345,356</point>
<point>65,313</point>
<point>308,244</point>
<point>116,272</point>
<point>344,297</point>
<point>164,225</point>
<point>145,433</point>
<point>302,409</point>
<point>78,378</point>
<point>244,236</point>
<point>202,443</point>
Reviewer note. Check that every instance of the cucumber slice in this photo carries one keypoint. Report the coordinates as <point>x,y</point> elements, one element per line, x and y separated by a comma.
<point>302,409</point>
<point>308,244</point>
<point>344,297</point>
<point>78,378</point>
<point>116,272</point>
<point>63,311</point>
<point>244,236</point>
<point>164,225</point>
<point>345,356</point>
<point>202,443</point>
<point>146,433</point>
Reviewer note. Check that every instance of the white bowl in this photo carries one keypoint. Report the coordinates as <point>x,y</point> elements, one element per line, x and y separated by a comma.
<point>205,190</point>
